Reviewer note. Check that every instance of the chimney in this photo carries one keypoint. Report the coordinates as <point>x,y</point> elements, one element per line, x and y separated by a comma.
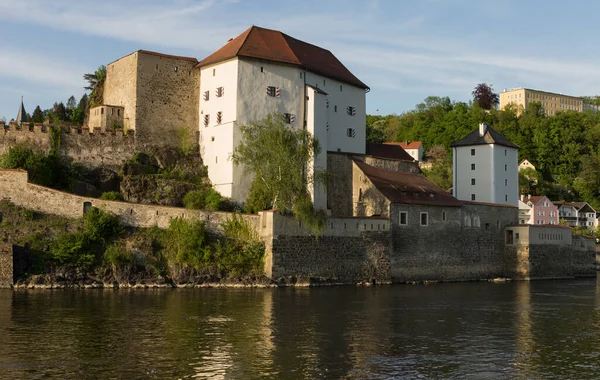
<point>482,129</point>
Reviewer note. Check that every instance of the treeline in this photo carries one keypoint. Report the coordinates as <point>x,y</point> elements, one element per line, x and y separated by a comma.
<point>73,111</point>
<point>564,148</point>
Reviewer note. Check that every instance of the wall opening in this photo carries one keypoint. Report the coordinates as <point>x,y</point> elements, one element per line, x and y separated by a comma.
<point>87,206</point>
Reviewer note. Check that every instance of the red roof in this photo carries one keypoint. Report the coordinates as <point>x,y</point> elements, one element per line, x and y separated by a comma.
<point>407,144</point>
<point>272,45</point>
<point>394,152</point>
<point>406,188</point>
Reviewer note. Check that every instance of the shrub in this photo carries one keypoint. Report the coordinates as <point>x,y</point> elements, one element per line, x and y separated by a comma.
<point>186,244</point>
<point>195,199</point>
<point>119,257</point>
<point>112,196</point>
<point>240,251</point>
<point>304,210</point>
<point>207,199</point>
<point>72,249</point>
<point>101,225</point>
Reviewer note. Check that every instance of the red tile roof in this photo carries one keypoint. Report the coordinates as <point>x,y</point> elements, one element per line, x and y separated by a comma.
<point>406,188</point>
<point>394,152</point>
<point>272,45</point>
<point>407,145</point>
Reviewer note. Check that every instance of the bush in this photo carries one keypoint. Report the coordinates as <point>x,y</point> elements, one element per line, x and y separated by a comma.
<point>112,196</point>
<point>119,257</point>
<point>186,245</point>
<point>101,225</point>
<point>240,251</point>
<point>207,199</point>
<point>304,211</point>
<point>73,249</point>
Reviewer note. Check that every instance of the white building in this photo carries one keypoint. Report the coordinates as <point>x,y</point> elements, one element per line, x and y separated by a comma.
<point>577,214</point>
<point>525,164</point>
<point>265,71</point>
<point>525,213</point>
<point>485,168</point>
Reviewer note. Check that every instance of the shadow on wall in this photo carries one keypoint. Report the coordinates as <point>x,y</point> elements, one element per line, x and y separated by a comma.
<point>371,203</point>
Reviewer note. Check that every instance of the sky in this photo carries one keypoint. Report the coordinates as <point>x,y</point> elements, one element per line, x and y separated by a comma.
<point>403,50</point>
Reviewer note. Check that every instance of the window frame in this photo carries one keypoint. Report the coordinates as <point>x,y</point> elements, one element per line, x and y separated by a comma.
<point>405,214</point>
<point>426,215</point>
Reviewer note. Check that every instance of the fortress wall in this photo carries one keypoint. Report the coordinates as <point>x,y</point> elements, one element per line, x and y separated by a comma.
<point>14,187</point>
<point>90,149</point>
<point>467,245</point>
<point>348,250</point>
<point>120,87</point>
<point>167,100</point>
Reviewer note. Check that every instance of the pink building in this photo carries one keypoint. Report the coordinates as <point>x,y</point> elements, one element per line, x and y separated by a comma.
<point>543,211</point>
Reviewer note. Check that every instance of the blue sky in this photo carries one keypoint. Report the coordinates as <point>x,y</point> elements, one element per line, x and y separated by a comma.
<point>404,50</point>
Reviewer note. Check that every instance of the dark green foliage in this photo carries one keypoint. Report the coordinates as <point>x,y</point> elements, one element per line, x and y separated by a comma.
<point>258,198</point>
<point>314,219</point>
<point>101,225</point>
<point>112,196</point>
<point>46,170</point>
<point>207,199</point>
<point>559,146</point>
<point>96,86</point>
<point>38,115</point>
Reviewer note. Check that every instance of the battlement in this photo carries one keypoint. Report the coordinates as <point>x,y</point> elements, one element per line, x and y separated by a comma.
<point>43,128</point>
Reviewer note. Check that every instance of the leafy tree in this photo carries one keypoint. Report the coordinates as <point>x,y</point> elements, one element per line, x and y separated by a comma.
<point>96,86</point>
<point>588,181</point>
<point>38,115</point>
<point>278,157</point>
<point>484,95</point>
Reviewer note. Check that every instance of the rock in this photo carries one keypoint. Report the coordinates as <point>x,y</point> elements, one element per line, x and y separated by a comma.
<point>155,190</point>
<point>106,179</point>
<point>132,168</point>
<point>84,189</point>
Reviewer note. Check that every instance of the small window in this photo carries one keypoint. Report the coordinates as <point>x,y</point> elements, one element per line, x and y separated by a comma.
<point>216,160</point>
<point>403,218</point>
<point>289,118</point>
<point>351,111</point>
<point>505,156</point>
<point>102,111</point>
<point>220,92</point>
<point>334,108</point>
<point>301,75</point>
<point>175,68</point>
<point>351,132</point>
<point>472,181</point>
<point>424,218</point>
<point>214,72</point>
<point>273,91</point>
<point>112,111</point>
<point>262,70</point>
<point>219,117</point>
<point>341,88</point>
<point>505,167</point>
<point>472,197</point>
<point>443,215</point>
<point>506,198</point>
<point>505,182</point>
<point>212,138</point>
<point>206,96</point>
<point>324,82</point>
<point>118,112</point>
<point>472,152</point>
<point>472,166</point>
<point>206,120</point>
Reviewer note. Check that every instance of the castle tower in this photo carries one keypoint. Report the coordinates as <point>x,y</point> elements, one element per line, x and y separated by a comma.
<point>21,115</point>
<point>485,168</point>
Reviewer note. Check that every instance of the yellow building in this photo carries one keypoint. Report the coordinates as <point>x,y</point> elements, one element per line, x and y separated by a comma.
<point>551,102</point>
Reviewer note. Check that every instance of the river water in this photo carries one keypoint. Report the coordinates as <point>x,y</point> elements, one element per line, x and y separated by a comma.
<point>479,330</point>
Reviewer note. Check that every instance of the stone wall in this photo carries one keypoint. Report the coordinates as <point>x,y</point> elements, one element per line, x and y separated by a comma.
<point>457,243</point>
<point>349,250</point>
<point>399,166</point>
<point>15,188</point>
<point>167,100</point>
<point>366,199</point>
<point>89,149</point>
<point>120,87</point>
<point>339,186</point>
<point>6,265</point>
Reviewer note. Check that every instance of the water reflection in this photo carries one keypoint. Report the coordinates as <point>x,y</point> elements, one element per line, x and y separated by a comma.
<point>521,329</point>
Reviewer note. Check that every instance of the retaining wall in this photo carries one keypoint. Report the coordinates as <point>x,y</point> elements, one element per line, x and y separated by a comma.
<point>6,265</point>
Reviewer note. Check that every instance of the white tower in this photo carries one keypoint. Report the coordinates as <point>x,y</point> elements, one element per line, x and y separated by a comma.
<point>485,168</point>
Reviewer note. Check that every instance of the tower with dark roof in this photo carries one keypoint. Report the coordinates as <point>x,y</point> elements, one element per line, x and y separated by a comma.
<point>485,168</point>
<point>21,115</point>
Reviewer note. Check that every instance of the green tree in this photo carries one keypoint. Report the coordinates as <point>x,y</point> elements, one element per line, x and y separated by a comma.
<point>278,156</point>
<point>588,181</point>
<point>484,95</point>
<point>96,86</point>
<point>38,115</point>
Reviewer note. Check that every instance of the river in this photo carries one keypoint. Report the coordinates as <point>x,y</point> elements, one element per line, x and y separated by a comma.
<point>479,330</point>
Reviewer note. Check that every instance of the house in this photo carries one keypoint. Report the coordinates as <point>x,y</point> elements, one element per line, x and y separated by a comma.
<point>542,210</point>
<point>485,168</point>
<point>525,164</point>
<point>414,148</point>
<point>524,213</point>
<point>577,214</point>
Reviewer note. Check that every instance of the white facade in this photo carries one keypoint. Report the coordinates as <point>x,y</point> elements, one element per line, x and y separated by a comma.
<point>525,213</point>
<point>317,103</point>
<point>486,173</point>
<point>417,154</point>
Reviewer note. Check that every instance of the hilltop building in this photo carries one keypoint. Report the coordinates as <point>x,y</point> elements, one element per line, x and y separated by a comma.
<point>414,148</point>
<point>485,168</point>
<point>162,97</point>
<point>551,102</point>
<point>525,164</point>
